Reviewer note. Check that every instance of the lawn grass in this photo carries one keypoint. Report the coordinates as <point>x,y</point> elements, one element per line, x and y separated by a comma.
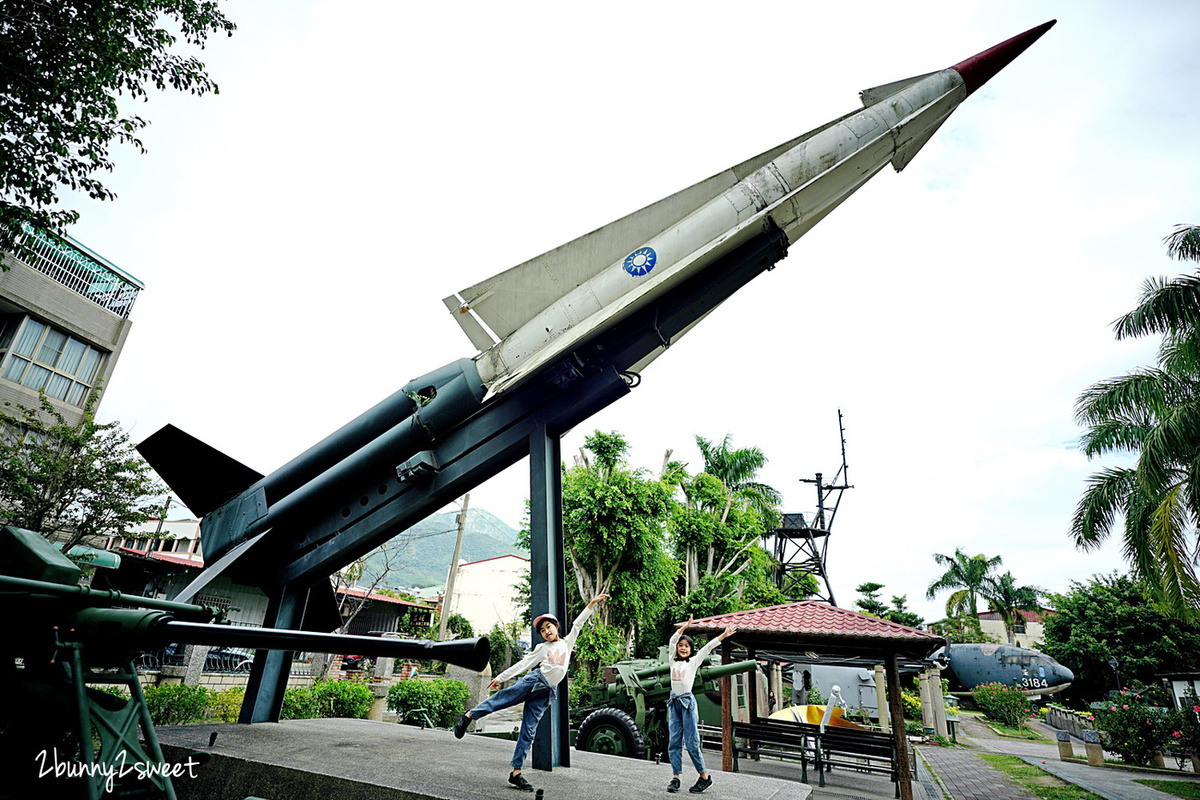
<point>1022,732</point>
<point>1036,780</point>
<point>1187,789</point>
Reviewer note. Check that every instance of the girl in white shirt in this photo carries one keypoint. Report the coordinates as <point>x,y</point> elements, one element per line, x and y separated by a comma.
<point>682,719</point>
<point>549,662</point>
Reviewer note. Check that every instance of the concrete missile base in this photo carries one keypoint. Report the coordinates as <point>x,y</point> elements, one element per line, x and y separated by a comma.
<point>351,759</point>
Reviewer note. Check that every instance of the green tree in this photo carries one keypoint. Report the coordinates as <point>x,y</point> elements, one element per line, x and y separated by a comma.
<point>725,512</point>
<point>737,469</point>
<point>614,521</point>
<point>1007,599</point>
<point>1109,618</point>
<point>78,483</point>
<point>1154,413</point>
<point>64,65</point>
<point>961,629</point>
<point>967,575</point>
<point>870,603</point>
<point>900,614</point>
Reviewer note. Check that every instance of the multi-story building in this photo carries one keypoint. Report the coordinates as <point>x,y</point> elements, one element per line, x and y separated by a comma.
<point>1029,629</point>
<point>486,594</point>
<point>64,318</point>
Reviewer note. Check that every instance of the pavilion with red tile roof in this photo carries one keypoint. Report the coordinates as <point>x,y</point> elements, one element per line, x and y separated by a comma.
<point>814,628</point>
<point>818,627</point>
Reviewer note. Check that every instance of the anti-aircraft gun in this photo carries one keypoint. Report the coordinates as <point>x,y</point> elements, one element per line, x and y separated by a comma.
<point>627,711</point>
<point>60,736</point>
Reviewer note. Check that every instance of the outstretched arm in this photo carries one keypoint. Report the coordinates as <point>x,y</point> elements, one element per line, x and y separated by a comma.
<point>680,627</point>
<point>583,618</point>
<point>712,645</point>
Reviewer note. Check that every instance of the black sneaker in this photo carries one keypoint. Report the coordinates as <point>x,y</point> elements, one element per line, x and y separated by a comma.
<point>702,783</point>
<point>673,786</point>
<point>519,782</point>
<point>460,727</point>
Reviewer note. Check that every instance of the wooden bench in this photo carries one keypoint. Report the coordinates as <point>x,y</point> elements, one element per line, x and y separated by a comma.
<point>865,751</point>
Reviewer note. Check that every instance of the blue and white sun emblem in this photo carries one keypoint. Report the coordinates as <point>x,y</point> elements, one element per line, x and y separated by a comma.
<point>640,261</point>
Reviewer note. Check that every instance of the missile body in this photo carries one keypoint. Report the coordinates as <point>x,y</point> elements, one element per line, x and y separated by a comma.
<point>611,300</point>
<point>792,186</point>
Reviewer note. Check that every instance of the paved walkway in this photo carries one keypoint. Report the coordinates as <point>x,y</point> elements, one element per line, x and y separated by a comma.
<point>965,776</point>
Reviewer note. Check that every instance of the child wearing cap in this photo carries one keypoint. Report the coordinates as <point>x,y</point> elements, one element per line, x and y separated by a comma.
<point>549,661</point>
<point>682,719</point>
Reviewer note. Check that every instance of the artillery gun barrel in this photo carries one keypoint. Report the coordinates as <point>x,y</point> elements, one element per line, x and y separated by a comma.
<point>119,630</point>
<point>105,597</point>
<point>704,673</point>
<point>469,653</point>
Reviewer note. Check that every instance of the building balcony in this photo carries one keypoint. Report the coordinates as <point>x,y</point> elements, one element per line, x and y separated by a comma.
<point>67,262</point>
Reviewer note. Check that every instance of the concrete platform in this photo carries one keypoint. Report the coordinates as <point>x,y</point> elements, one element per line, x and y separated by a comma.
<point>348,759</point>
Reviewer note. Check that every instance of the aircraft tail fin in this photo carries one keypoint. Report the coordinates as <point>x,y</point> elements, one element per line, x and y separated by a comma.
<point>203,477</point>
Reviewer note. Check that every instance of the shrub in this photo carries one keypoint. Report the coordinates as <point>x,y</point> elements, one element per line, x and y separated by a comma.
<point>1007,705</point>
<point>579,688</point>
<point>599,645</point>
<point>912,704</point>
<point>501,648</point>
<point>351,699</point>
<point>176,703</point>
<point>1189,724</point>
<point>1135,730</point>
<point>300,702</point>
<point>444,700</point>
<point>225,706</point>
<point>459,626</point>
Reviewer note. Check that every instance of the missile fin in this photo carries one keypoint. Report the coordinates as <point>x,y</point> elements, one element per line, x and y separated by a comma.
<point>461,311</point>
<point>213,571</point>
<point>320,612</point>
<point>912,136</point>
<point>202,476</point>
<point>873,95</point>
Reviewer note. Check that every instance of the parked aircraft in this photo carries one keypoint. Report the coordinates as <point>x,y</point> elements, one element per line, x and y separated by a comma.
<point>972,665</point>
<point>967,666</point>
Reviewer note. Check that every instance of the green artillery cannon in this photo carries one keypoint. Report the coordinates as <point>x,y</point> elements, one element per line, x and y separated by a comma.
<point>627,712</point>
<point>60,736</point>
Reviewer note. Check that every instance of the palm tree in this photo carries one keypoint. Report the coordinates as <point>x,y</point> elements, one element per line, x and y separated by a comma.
<point>968,575</point>
<point>1007,599</point>
<point>1153,412</point>
<point>728,477</point>
<point>737,469</point>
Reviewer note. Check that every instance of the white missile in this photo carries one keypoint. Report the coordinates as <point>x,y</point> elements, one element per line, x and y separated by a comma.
<point>535,312</point>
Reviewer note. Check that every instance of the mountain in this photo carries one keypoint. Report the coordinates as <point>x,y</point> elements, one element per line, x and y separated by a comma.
<point>421,555</point>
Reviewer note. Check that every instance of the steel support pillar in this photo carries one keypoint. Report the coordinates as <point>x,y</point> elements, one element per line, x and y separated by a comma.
<point>269,673</point>
<point>548,591</point>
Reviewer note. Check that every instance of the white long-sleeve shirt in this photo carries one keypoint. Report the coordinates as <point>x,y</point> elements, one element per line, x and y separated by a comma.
<point>683,673</point>
<point>554,657</point>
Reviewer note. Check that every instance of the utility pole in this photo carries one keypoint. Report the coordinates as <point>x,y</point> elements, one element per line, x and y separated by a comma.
<point>462,524</point>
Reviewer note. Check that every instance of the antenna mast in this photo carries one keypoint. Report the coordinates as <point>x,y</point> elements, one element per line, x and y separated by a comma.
<point>801,545</point>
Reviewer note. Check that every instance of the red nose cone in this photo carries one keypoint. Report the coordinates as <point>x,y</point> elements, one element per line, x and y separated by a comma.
<point>979,69</point>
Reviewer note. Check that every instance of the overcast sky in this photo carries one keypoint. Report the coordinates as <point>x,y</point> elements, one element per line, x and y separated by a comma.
<point>297,232</point>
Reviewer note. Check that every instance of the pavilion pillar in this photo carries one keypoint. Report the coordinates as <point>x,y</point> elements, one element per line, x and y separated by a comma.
<point>726,711</point>
<point>899,738</point>
<point>881,699</point>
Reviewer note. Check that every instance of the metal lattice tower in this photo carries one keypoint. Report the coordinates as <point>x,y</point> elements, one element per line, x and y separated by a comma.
<point>801,543</point>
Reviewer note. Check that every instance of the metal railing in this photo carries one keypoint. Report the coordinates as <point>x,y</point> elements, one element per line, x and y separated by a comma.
<point>68,262</point>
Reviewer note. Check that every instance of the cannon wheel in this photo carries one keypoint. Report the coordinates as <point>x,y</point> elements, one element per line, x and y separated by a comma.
<point>612,731</point>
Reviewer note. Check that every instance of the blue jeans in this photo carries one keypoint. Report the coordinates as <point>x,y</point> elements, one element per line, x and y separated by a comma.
<point>682,722</point>
<point>532,690</point>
